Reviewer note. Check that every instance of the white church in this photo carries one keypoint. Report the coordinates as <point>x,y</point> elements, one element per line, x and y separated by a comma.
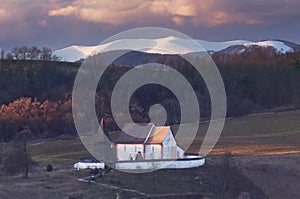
<point>154,142</point>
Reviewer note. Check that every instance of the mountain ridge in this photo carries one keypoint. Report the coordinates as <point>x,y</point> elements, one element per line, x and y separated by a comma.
<point>174,45</point>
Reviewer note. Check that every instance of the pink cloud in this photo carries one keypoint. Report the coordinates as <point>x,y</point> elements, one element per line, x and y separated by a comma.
<point>69,10</point>
<point>208,13</point>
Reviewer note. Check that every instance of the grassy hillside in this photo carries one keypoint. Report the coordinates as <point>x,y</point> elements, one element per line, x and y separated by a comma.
<point>60,151</point>
<point>257,134</point>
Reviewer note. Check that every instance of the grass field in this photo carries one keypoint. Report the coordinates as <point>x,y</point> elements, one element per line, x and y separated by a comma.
<point>60,151</point>
<point>275,133</point>
<point>265,162</point>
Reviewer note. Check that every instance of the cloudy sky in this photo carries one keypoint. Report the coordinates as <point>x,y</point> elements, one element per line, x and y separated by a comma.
<point>59,23</point>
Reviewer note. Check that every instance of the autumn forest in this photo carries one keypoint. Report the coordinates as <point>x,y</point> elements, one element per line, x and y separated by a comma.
<point>36,94</point>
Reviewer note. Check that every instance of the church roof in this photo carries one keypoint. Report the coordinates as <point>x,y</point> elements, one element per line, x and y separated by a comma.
<point>150,134</point>
<point>158,135</point>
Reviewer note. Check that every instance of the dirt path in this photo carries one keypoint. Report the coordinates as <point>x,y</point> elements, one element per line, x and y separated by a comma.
<point>116,187</point>
<point>205,181</point>
<point>259,176</point>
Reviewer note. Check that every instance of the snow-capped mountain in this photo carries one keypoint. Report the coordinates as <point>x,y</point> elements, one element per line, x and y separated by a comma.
<point>173,44</point>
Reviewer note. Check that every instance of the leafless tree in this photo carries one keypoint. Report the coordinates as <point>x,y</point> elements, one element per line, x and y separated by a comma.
<point>18,158</point>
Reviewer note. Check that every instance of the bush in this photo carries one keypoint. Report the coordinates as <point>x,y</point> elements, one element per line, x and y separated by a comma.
<point>49,168</point>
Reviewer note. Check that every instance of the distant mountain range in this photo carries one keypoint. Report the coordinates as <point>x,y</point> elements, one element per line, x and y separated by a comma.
<point>174,45</point>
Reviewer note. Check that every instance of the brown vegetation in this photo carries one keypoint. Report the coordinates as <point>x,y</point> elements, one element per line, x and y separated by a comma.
<point>43,119</point>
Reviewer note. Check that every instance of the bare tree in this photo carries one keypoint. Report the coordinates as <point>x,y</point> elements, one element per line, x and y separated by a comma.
<point>24,52</point>
<point>9,56</point>
<point>2,54</point>
<point>18,158</point>
<point>46,54</point>
<point>34,53</point>
<point>24,135</point>
<point>31,53</point>
<point>15,53</point>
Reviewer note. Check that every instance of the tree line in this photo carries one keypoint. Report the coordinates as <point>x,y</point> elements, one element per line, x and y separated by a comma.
<point>256,80</point>
<point>30,53</point>
<point>35,79</point>
<point>260,79</point>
